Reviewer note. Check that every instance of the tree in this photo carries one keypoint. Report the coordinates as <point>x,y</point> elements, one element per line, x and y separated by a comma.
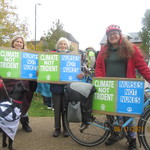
<point>10,25</point>
<point>53,35</point>
<point>145,33</point>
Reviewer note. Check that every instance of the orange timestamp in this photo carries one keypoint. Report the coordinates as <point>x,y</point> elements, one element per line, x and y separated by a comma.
<point>131,129</point>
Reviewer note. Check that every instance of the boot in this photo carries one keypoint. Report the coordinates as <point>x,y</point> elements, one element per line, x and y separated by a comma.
<point>65,132</point>
<point>132,144</point>
<point>56,133</point>
<point>25,124</point>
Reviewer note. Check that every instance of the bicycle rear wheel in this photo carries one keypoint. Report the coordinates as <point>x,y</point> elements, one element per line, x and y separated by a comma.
<point>90,134</point>
<point>145,130</point>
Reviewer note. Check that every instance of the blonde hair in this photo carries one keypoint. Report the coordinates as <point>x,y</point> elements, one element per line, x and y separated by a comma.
<point>15,38</point>
<point>60,40</point>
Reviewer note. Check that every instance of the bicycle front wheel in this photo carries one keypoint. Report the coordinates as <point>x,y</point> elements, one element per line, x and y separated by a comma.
<point>90,134</point>
<point>145,130</point>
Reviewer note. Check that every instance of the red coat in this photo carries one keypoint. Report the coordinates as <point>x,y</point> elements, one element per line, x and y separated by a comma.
<point>135,62</point>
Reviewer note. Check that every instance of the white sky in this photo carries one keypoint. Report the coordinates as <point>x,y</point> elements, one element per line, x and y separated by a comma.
<point>86,20</point>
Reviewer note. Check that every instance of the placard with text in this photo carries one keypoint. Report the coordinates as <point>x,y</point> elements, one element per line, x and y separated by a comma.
<point>29,64</point>
<point>10,63</point>
<point>118,95</point>
<point>58,67</point>
<point>41,66</point>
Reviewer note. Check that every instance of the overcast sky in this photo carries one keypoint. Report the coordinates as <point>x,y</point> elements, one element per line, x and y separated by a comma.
<point>86,20</point>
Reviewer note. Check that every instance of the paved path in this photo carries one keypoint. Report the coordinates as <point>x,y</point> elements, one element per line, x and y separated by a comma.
<point>41,139</point>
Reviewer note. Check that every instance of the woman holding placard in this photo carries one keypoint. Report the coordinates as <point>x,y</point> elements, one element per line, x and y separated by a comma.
<point>58,97</point>
<point>19,43</point>
<point>119,58</point>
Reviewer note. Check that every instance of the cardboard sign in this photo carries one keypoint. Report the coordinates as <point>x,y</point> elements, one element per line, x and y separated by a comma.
<point>29,64</point>
<point>105,95</point>
<point>48,67</point>
<point>18,64</point>
<point>130,97</point>
<point>51,67</point>
<point>58,68</point>
<point>70,66</point>
<point>10,63</point>
<point>118,95</point>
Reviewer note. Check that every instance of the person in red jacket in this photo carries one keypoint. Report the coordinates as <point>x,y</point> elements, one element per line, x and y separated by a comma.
<point>120,58</point>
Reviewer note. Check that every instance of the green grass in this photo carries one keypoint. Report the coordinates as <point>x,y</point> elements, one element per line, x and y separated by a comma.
<point>38,109</point>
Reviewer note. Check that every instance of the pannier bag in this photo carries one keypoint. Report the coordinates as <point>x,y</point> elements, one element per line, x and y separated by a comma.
<point>74,112</point>
<point>79,92</point>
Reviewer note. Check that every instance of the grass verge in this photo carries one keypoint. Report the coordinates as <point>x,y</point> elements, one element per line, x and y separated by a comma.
<point>38,109</point>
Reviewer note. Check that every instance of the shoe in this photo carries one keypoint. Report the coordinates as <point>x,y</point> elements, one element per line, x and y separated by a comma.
<point>49,108</point>
<point>132,145</point>
<point>56,133</point>
<point>25,124</point>
<point>111,140</point>
<point>65,133</point>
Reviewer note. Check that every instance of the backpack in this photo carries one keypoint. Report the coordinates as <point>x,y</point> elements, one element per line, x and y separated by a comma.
<point>80,93</point>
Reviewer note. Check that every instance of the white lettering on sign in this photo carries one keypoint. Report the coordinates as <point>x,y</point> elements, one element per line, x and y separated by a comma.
<point>70,63</point>
<point>71,58</point>
<point>9,54</point>
<point>49,63</point>
<point>49,57</point>
<point>130,91</point>
<point>9,65</point>
<point>130,84</point>
<point>129,99</point>
<point>9,59</point>
<point>70,70</point>
<point>31,56</point>
<point>105,97</point>
<point>29,67</point>
<point>100,83</point>
<point>31,62</point>
<point>49,68</point>
<point>103,90</point>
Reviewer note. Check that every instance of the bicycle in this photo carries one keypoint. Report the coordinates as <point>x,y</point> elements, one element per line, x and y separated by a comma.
<point>97,130</point>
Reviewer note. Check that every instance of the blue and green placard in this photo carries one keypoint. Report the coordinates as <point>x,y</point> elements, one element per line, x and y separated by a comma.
<point>58,67</point>
<point>118,95</point>
<point>50,67</point>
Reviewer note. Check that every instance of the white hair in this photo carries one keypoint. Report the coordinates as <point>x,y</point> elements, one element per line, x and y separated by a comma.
<point>60,40</point>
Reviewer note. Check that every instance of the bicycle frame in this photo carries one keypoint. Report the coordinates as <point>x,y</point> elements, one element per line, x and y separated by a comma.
<point>97,130</point>
<point>125,124</point>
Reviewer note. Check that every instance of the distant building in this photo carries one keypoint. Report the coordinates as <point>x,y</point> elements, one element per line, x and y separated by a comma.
<point>74,43</point>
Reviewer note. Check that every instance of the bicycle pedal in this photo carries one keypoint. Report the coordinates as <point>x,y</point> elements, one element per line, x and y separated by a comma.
<point>83,127</point>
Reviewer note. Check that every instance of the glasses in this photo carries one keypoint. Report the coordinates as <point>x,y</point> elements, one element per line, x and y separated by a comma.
<point>113,33</point>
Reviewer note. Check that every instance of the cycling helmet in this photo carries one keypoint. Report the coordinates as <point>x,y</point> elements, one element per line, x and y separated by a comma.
<point>113,27</point>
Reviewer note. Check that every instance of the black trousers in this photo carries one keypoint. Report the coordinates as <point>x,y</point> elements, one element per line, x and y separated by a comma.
<point>58,105</point>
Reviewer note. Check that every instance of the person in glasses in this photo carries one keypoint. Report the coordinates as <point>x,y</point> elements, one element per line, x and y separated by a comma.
<point>120,58</point>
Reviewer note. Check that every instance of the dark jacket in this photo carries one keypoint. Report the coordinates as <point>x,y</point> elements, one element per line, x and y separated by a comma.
<point>30,85</point>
